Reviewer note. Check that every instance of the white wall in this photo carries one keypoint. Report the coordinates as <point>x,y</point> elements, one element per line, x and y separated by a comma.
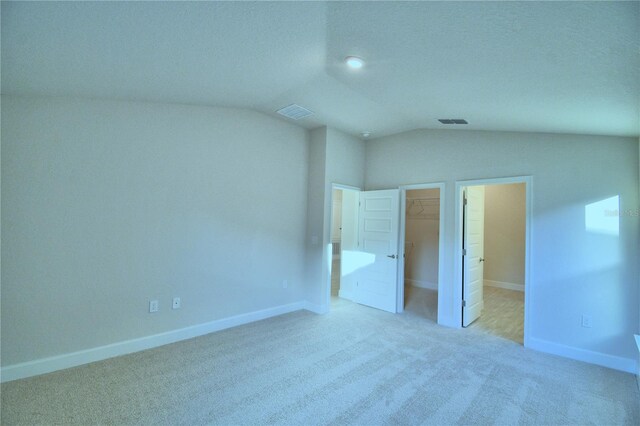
<point>335,157</point>
<point>574,271</point>
<point>422,238</point>
<point>315,218</point>
<point>109,204</point>
<point>504,233</point>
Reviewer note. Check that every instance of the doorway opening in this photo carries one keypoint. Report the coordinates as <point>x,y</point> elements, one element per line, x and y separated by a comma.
<point>344,242</point>
<point>421,242</point>
<point>493,246</point>
<point>366,262</point>
<point>421,252</point>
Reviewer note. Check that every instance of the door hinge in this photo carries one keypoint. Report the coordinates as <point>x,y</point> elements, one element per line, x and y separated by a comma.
<point>464,303</point>
<point>464,201</point>
<point>464,252</point>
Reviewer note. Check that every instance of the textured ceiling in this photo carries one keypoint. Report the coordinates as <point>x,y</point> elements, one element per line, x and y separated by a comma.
<point>561,67</point>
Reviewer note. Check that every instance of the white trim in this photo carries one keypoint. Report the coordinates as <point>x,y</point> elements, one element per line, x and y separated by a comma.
<point>505,285</point>
<point>316,308</point>
<point>637,372</point>
<point>401,240</point>
<point>457,244</point>
<point>345,294</point>
<point>421,284</point>
<point>73,359</point>
<point>347,187</point>
<point>605,360</point>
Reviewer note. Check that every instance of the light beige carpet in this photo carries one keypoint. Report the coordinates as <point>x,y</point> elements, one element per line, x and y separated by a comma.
<point>355,365</point>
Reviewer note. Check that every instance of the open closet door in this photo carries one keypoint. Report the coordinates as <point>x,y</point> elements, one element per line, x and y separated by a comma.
<point>378,247</point>
<point>473,253</point>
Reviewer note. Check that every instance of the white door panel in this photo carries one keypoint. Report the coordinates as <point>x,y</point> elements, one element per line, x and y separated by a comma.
<point>473,262</point>
<point>378,246</point>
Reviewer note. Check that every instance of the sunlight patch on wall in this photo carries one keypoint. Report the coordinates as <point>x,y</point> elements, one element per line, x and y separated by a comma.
<point>603,217</point>
<point>355,260</point>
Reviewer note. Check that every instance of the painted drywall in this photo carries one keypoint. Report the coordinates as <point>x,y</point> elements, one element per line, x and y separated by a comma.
<point>504,233</point>
<point>574,270</point>
<point>345,158</point>
<point>107,205</point>
<point>315,217</point>
<point>422,238</point>
<point>335,157</point>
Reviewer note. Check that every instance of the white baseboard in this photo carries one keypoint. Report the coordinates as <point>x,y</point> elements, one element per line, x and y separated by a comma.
<point>610,361</point>
<point>315,308</point>
<point>345,294</point>
<point>422,284</point>
<point>501,284</point>
<point>60,362</point>
<point>637,372</point>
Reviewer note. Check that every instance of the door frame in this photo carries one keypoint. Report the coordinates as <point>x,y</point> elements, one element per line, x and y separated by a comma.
<point>457,244</point>
<point>328,252</point>
<point>402,237</point>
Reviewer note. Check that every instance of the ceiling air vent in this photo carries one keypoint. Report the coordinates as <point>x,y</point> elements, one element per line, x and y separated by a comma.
<point>295,112</point>
<point>452,121</point>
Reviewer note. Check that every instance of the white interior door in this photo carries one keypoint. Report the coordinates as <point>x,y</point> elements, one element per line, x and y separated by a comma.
<point>378,249</point>
<point>473,253</point>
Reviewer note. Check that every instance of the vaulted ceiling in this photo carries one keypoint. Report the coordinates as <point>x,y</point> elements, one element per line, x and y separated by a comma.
<point>562,67</point>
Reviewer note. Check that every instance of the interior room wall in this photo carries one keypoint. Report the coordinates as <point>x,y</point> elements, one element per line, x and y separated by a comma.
<point>106,205</point>
<point>337,158</point>
<point>316,188</point>
<point>422,239</point>
<point>504,235</point>
<point>574,270</point>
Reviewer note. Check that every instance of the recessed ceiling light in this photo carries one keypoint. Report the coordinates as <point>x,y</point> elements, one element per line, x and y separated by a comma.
<point>365,134</point>
<point>354,62</point>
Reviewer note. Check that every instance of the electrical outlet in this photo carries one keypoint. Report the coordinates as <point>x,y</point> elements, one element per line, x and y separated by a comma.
<point>176,303</point>
<point>153,306</point>
<point>285,284</point>
<point>587,322</point>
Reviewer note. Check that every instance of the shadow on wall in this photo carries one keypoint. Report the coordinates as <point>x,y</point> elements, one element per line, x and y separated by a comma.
<point>355,260</point>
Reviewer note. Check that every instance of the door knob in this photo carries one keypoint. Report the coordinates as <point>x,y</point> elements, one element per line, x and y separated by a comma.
<point>481,259</point>
<point>393,256</point>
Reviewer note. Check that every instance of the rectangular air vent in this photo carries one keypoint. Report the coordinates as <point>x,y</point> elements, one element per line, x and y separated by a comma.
<point>452,121</point>
<point>295,112</point>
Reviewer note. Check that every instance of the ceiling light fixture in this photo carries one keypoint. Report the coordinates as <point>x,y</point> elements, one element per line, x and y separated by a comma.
<point>354,62</point>
<point>365,134</point>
